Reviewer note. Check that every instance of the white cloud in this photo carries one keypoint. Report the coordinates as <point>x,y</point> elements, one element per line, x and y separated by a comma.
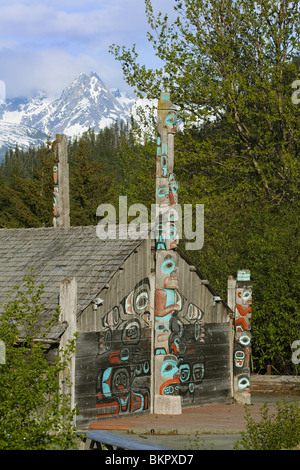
<point>33,19</point>
<point>2,92</point>
<point>45,44</point>
<point>50,70</point>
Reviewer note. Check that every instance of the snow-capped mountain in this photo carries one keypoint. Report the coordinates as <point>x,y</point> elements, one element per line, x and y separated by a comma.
<point>86,103</point>
<point>12,134</point>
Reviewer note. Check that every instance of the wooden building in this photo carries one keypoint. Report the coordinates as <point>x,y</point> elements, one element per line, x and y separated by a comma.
<point>153,335</point>
<point>114,318</point>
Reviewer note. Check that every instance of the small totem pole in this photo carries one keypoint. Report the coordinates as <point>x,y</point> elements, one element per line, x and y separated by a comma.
<point>241,301</point>
<point>61,204</point>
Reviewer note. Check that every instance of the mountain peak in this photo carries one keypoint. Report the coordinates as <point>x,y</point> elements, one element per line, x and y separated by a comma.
<point>86,103</point>
<point>84,79</point>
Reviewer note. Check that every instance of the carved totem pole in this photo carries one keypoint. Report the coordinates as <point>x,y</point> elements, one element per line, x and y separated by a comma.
<point>167,399</point>
<point>240,301</point>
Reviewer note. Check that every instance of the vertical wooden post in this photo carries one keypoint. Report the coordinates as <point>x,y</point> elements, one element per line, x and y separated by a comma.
<point>68,311</point>
<point>166,400</point>
<point>2,352</point>
<point>231,294</point>
<point>61,202</point>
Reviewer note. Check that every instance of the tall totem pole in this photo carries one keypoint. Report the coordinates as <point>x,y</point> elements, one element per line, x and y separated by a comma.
<point>167,399</point>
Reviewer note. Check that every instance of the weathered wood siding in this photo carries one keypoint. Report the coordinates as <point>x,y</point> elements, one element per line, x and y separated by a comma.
<point>113,358</point>
<point>115,348</point>
<point>205,363</point>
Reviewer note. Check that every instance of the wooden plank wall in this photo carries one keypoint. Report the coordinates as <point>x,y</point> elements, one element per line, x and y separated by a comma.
<point>203,348</point>
<point>113,354</point>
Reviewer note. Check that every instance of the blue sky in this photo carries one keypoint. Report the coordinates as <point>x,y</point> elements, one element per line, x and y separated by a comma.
<point>45,44</point>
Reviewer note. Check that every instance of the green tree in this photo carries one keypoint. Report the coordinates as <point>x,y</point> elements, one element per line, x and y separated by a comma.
<point>20,163</point>
<point>89,188</point>
<point>34,414</point>
<point>229,67</point>
<point>136,169</point>
<point>272,249</point>
<point>26,190</point>
<point>27,201</point>
<point>231,64</point>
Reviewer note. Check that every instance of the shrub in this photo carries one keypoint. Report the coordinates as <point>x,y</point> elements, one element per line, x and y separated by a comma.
<point>34,413</point>
<point>275,431</point>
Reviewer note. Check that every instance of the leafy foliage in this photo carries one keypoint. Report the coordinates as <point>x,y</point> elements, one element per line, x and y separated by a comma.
<point>88,188</point>
<point>26,201</point>
<point>230,64</point>
<point>34,414</point>
<point>275,431</point>
<point>229,67</point>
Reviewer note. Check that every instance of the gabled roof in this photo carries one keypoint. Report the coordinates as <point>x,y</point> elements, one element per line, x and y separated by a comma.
<point>55,253</point>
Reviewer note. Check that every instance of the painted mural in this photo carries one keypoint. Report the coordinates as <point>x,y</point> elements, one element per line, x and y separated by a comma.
<point>242,348</point>
<point>179,337</point>
<point>123,357</point>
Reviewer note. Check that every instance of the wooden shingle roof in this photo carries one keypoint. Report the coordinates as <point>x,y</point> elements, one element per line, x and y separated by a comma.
<point>55,253</point>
